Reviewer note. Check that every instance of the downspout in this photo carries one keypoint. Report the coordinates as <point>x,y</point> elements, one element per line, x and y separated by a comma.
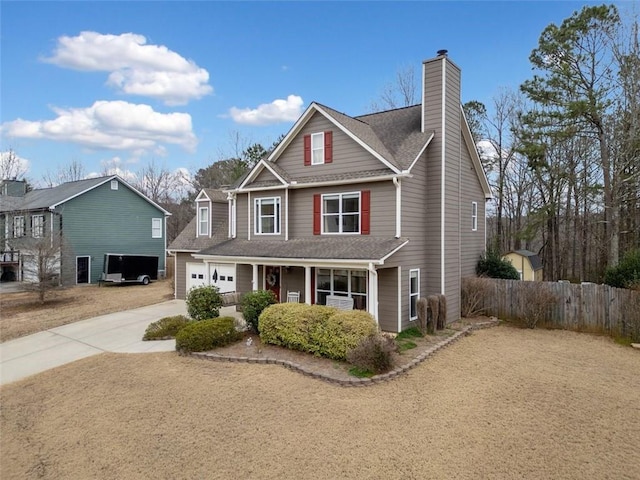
<point>396,182</point>
<point>286,214</point>
<point>248,215</point>
<point>373,292</point>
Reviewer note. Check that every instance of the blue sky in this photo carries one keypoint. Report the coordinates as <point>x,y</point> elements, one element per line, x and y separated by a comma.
<point>120,84</point>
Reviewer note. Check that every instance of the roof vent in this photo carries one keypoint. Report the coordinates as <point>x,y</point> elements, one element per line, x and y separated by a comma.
<point>442,53</point>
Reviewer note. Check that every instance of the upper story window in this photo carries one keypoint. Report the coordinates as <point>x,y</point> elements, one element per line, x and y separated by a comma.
<point>114,184</point>
<point>267,216</point>
<point>37,226</point>
<point>339,213</point>
<point>474,216</point>
<point>318,148</point>
<point>18,226</point>
<point>156,228</point>
<point>203,221</point>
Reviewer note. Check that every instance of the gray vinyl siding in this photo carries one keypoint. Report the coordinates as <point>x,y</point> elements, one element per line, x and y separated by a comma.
<point>472,242</point>
<point>219,211</point>
<point>453,153</point>
<point>181,259</point>
<point>265,176</point>
<point>348,155</point>
<point>383,212</point>
<point>244,276</point>
<point>241,216</point>
<point>388,299</point>
<point>109,221</point>
<point>292,280</point>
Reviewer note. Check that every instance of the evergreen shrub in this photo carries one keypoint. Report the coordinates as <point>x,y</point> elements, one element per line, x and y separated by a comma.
<point>165,327</point>
<point>207,334</point>
<point>253,303</point>
<point>204,302</point>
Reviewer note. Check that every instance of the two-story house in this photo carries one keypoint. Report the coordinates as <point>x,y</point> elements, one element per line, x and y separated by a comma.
<point>84,220</point>
<point>380,209</point>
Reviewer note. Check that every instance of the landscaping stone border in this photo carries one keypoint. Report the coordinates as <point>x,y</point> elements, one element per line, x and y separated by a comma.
<point>352,382</point>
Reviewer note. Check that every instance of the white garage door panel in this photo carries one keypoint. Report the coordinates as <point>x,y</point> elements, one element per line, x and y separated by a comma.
<point>222,276</point>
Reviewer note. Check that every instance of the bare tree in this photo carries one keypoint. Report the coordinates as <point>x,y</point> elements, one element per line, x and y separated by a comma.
<point>402,92</point>
<point>41,262</point>
<point>157,182</point>
<point>12,167</point>
<point>71,172</point>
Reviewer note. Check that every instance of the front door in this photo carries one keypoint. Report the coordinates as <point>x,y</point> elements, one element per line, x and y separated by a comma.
<point>272,280</point>
<point>82,269</point>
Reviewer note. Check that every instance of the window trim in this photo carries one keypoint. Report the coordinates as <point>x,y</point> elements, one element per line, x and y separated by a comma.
<point>114,184</point>
<point>39,233</point>
<point>321,148</point>
<point>203,220</point>
<point>349,292</point>
<point>277,216</point>
<point>156,230</point>
<point>474,216</point>
<point>22,226</point>
<point>414,294</point>
<point>340,214</point>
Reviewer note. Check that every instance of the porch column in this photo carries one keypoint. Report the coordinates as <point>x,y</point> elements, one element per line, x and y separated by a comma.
<point>254,280</point>
<point>373,293</point>
<point>307,285</point>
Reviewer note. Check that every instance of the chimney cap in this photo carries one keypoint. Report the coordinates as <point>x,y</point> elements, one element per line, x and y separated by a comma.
<point>442,53</point>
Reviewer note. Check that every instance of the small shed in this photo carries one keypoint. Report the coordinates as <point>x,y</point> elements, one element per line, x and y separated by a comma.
<point>527,263</point>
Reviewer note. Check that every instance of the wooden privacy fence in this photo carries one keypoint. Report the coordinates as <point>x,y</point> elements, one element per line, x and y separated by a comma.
<point>583,307</point>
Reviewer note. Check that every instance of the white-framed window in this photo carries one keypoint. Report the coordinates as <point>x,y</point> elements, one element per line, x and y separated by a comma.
<point>203,221</point>
<point>474,216</point>
<point>343,283</point>
<point>267,216</point>
<point>414,292</point>
<point>317,148</point>
<point>156,228</point>
<point>18,226</point>
<point>114,184</point>
<point>341,213</point>
<point>37,226</point>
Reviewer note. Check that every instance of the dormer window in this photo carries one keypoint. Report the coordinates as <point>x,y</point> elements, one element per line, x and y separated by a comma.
<point>318,148</point>
<point>203,221</point>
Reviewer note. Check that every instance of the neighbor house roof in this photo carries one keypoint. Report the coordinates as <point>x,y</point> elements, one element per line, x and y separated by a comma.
<point>311,248</point>
<point>534,258</point>
<point>45,198</point>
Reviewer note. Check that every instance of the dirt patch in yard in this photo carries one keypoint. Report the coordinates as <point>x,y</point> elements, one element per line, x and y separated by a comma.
<point>22,314</point>
<point>502,403</point>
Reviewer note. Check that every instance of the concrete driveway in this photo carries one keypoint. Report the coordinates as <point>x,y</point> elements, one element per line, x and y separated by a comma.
<point>116,332</point>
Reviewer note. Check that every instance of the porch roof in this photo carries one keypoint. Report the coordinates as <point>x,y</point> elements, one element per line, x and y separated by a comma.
<point>356,248</point>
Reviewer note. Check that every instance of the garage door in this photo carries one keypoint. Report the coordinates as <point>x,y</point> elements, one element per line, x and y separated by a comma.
<point>222,276</point>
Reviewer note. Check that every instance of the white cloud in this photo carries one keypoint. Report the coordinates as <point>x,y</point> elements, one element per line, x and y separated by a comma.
<point>135,67</point>
<point>12,166</point>
<point>116,125</point>
<point>277,111</point>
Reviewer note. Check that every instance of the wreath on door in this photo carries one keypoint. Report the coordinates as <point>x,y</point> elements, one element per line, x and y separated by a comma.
<point>271,279</point>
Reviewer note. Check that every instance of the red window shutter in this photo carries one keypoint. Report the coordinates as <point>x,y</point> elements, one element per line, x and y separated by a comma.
<point>365,211</point>
<point>307,150</point>
<point>316,214</point>
<point>328,147</point>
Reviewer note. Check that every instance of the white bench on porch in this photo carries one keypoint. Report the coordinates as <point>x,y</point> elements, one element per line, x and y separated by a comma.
<point>341,303</point>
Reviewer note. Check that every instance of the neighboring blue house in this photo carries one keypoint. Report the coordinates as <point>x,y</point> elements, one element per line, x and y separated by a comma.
<point>90,218</point>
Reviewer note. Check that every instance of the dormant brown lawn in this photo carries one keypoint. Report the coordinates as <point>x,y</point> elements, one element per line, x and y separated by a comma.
<point>502,403</point>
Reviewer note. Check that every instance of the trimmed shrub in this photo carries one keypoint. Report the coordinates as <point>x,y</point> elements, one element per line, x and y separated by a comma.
<point>373,354</point>
<point>473,292</point>
<point>317,329</point>
<point>433,310</point>
<point>442,312</point>
<point>204,302</point>
<point>492,265</point>
<point>165,327</point>
<point>253,303</point>
<point>207,334</point>
<point>340,333</point>
<point>627,273</point>
<point>423,315</point>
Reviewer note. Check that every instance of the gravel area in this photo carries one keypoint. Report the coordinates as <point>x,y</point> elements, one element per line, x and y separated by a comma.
<point>502,403</point>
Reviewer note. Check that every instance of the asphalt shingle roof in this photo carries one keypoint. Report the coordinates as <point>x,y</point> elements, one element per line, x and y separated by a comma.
<point>534,258</point>
<point>347,248</point>
<point>187,240</point>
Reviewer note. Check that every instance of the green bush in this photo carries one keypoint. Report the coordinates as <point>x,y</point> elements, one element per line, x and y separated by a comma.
<point>207,334</point>
<point>204,302</point>
<point>627,273</point>
<point>318,329</point>
<point>165,327</point>
<point>373,354</point>
<point>492,265</point>
<point>253,303</point>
